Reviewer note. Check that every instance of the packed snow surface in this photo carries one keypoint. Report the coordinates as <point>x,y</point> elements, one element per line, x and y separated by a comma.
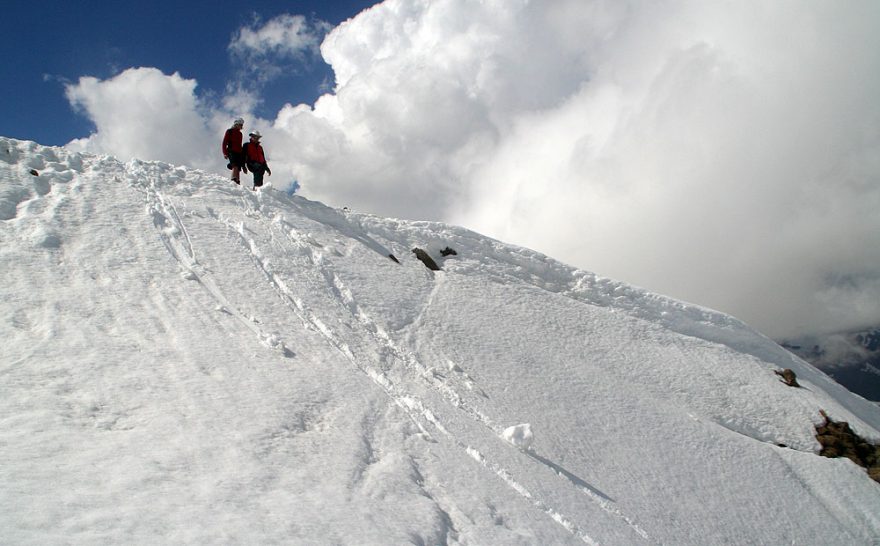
<point>186,361</point>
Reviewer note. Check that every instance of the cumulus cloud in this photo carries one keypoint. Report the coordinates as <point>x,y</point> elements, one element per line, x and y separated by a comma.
<point>266,50</point>
<point>727,154</point>
<point>143,113</point>
<point>723,153</point>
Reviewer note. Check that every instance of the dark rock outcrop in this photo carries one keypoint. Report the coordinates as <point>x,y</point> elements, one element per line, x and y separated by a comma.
<point>426,259</point>
<point>839,440</point>
<point>788,377</point>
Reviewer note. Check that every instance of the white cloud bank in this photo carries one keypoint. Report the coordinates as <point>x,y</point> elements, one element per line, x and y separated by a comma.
<point>143,113</point>
<point>261,49</point>
<point>723,153</point>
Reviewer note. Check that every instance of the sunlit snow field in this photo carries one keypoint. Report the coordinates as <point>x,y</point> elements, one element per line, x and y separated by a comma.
<point>187,361</point>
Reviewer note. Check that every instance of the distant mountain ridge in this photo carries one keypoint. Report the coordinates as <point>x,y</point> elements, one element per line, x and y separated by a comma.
<point>851,358</point>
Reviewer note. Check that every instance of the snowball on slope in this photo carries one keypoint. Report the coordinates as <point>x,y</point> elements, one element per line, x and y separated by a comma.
<point>519,435</point>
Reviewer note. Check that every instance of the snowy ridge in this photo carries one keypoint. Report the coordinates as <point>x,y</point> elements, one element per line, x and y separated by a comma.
<point>195,362</point>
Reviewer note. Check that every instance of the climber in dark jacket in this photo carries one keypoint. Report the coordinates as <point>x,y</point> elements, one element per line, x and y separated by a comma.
<point>255,159</point>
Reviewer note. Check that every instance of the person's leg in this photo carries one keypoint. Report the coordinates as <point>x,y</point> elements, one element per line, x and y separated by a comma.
<point>237,161</point>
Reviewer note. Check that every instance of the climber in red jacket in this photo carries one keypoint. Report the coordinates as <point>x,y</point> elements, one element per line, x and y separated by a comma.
<point>232,149</point>
<point>255,159</point>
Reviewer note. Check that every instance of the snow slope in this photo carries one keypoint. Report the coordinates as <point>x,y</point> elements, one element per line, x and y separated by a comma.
<point>185,361</point>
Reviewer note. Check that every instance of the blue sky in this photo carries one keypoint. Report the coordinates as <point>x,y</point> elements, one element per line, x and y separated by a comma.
<point>48,44</point>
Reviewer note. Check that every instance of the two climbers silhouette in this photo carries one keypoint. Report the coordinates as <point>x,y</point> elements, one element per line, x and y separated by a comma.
<point>244,157</point>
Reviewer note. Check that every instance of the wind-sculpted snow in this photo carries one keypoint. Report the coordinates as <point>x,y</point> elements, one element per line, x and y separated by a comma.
<point>188,361</point>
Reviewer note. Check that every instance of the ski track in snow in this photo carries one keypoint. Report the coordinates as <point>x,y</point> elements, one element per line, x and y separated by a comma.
<point>455,399</point>
<point>449,394</point>
<point>174,235</point>
<point>413,402</point>
<point>410,402</point>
